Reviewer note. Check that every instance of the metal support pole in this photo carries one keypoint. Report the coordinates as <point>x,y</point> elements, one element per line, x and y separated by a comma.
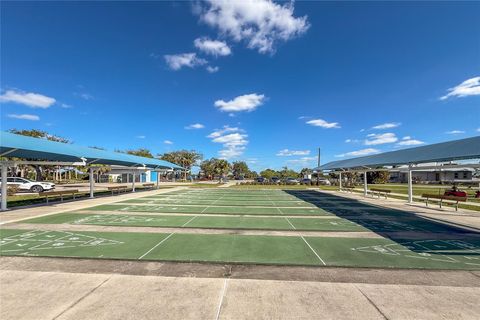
<point>158,173</point>
<point>133,181</point>
<point>365,185</point>
<point>4,187</point>
<point>410,186</point>
<point>92,182</point>
<point>340,181</point>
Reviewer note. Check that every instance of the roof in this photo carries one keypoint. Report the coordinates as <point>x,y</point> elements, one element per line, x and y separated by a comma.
<point>440,152</point>
<point>18,146</point>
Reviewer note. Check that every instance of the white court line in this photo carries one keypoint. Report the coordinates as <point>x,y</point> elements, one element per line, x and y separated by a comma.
<point>188,221</point>
<point>224,290</point>
<point>313,251</point>
<point>171,234</point>
<point>290,223</point>
<point>211,204</point>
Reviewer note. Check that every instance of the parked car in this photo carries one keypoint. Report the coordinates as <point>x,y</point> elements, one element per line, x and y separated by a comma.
<point>275,179</point>
<point>260,179</point>
<point>324,182</point>
<point>29,185</point>
<point>306,181</point>
<point>291,181</point>
<point>455,192</point>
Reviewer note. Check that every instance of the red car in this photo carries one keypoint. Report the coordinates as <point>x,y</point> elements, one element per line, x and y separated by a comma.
<point>455,193</point>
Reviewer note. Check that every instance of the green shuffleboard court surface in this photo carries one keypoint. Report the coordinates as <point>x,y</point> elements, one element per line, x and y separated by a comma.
<point>211,209</point>
<point>227,203</point>
<point>228,248</point>
<point>215,222</point>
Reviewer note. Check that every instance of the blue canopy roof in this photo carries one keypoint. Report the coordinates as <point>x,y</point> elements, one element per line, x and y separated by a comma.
<point>18,146</point>
<point>440,152</point>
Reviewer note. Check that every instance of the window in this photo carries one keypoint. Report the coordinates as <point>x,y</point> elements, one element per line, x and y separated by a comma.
<point>456,175</point>
<point>465,175</point>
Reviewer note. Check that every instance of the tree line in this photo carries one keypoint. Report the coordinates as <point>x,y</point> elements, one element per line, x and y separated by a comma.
<point>210,169</point>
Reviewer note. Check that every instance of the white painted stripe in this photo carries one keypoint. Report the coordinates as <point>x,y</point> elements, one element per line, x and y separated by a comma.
<point>224,291</point>
<point>290,223</point>
<point>171,234</point>
<point>189,221</point>
<point>314,251</point>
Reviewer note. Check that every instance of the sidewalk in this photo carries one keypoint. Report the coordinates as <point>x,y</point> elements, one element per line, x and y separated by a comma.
<point>59,207</point>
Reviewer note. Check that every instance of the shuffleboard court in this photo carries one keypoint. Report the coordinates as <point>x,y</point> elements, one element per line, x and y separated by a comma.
<point>213,222</point>
<point>246,203</point>
<point>259,210</point>
<point>212,210</point>
<point>228,248</point>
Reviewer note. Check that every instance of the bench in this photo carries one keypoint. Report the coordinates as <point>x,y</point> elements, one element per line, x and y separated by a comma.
<point>347,189</point>
<point>58,193</point>
<point>148,185</point>
<point>379,192</point>
<point>441,198</point>
<point>117,188</point>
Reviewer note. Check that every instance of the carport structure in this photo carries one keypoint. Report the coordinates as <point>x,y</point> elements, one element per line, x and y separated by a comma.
<point>35,151</point>
<point>439,155</point>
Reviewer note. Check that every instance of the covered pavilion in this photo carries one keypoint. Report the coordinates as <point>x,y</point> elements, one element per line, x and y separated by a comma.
<point>438,155</point>
<point>17,149</point>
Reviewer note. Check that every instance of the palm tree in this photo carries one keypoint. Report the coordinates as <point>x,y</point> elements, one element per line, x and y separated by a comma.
<point>222,168</point>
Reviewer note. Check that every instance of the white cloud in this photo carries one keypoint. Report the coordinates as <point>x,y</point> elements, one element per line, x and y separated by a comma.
<point>167,142</point>
<point>351,141</point>
<point>247,102</point>
<point>455,132</point>
<point>195,126</point>
<point>233,140</point>
<point>302,161</point>
<point>288,153</point>
<point>387,125</point>
<point>409,141</point>
<point>358,153</point>
<point>212,47</point>
<point>85,96</point>
<point>211,69</point>
<point>220,132</point>
<point>478,129</point>
<point>140,137</point>
<point>30,117</point>
<point>324,124</point>
<point>66,106</point>
<point>178,61</point>
<point>261,23</point>
<point>470,87</point>
<point>33,100</point>
<point>382,138</point>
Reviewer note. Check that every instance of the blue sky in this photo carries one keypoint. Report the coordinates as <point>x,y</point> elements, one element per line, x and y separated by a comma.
<point>265,82</point>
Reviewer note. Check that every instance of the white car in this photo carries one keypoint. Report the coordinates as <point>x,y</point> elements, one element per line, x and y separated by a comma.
<point>29,185</point>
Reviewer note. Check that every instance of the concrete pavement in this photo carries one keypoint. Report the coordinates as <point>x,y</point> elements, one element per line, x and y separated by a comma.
<point>57,295</point>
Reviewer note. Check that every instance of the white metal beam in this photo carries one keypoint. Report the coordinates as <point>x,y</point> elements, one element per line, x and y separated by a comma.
<point>365,185</point>
<point>410,186</point>
<point>8,152</point>
<point>4,170</point>
<point>92,182</point>
<point>133,181</point>
<point>13,163</point>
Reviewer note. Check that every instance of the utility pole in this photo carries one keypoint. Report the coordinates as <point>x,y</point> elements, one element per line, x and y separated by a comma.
<point>318,170</point>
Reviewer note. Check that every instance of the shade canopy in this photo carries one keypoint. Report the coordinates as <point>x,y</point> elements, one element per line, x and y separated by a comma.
<point>18,146</point>
<point>440,152</point>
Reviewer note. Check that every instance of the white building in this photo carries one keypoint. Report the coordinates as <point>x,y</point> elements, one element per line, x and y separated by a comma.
<point>448,175</point>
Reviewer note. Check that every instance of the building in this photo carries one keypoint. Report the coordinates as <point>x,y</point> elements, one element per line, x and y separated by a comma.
<point>440,176</point>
